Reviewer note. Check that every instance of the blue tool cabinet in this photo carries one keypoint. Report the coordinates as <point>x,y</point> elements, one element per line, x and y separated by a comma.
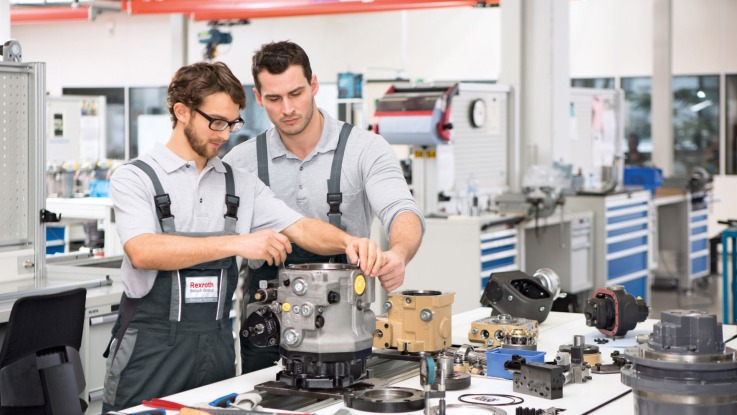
<point>622,239</point>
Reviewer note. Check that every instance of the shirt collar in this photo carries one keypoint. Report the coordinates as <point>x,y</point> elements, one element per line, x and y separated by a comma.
<point>170,162</point>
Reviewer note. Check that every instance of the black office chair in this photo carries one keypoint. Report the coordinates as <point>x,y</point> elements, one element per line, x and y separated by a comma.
<point>40,368</point>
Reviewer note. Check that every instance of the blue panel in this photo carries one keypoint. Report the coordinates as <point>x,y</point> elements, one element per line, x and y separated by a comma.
<point>636,287</point>
<point>627,244</point>
<point>498,238</point>
<point>626,265</point>
<point>624,218</point>
<point>627,206</point>
<point>698,230</point>
<point>58,249</point>
<point>699,264</point>
<point>497,263</point>
<point>484,281</point>
<point>54,233</point>
<point>699,245</point>
<point>698,218</point>
<point>498,249</point>
<point>635,228</point>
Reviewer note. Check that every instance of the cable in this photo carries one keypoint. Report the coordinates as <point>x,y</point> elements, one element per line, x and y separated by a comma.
<point>607,402</point>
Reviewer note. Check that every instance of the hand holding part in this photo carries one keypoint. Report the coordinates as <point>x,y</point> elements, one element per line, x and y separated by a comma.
<point>366,254</point>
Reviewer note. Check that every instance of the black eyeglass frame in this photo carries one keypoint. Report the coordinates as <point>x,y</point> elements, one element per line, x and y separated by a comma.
<point>232,124</point>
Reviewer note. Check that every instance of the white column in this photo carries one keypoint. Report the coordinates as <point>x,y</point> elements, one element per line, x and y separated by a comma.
<point>179,25</point>
<point>535,63</point>
<point>662,95</point>
<point>5,21</point>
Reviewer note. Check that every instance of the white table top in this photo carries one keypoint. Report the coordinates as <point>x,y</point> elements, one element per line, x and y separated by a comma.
<point>558,328</point>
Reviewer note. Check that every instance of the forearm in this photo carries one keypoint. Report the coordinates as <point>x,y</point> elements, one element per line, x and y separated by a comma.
<point>405,235</point>
<point>318,237</point>
<point>171,252</point>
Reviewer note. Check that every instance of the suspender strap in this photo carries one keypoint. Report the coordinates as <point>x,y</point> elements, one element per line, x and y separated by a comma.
<point>335,196</point>
<point>161,200</point>
<point>263,158</point>
<point>129,306</point>
<point>231,200</point>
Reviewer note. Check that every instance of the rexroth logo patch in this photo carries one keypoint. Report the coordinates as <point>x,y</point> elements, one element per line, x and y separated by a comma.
<point>201,289</point>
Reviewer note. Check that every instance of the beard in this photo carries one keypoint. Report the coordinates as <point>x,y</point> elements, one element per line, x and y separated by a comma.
<point>299,127</point>
<point>199,145</point>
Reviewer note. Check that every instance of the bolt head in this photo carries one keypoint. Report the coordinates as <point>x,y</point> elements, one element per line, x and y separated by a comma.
<point>510,298</point>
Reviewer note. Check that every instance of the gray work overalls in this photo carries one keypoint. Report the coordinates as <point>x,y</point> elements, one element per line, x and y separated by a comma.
<point>178,336</point>
<point>254,358</point>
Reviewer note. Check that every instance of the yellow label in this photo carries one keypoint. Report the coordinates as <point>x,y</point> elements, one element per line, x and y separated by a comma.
<point>359,285</point>
<point>286,307</point>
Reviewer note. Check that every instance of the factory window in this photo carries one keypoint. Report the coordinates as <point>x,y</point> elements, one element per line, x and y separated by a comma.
<point>637,121</point>
<point>601,83</point>
<point>731,127</point>
<point>148,120</point>
<point>695,124</point>
<point>114,117</point>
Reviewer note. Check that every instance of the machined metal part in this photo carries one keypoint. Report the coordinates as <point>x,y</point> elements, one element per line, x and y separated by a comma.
<point>505,331</point>
<point>320,316</point>
<point>464,407</point>
<point>618,362</point>
<point>683,368</point>
<point>416,321</point>
<point>591,353</point>
<point>614,312</point>
<point>386,400</point>
<point>540,380</point>
<point>519,294</point>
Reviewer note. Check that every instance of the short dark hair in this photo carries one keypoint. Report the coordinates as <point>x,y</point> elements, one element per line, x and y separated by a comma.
<point>191,84</point>
<point>277,57</point>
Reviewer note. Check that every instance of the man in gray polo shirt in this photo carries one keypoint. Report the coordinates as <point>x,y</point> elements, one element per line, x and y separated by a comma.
<point>185,219</point>
<point>307,147</point>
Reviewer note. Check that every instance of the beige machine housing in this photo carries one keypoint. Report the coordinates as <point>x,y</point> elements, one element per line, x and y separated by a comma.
<point>416,321</point>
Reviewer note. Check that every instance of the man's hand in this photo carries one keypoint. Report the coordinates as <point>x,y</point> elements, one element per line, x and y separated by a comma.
<point>268,245</point>
<point>367,253</point>
<point>391,275</point>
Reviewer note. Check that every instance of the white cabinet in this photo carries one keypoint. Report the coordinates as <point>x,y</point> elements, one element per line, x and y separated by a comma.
<point>460,252</point>
<point>565,246</point>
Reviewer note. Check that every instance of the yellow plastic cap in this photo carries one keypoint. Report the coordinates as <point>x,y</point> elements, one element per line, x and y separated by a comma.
<point>286,307</point>
<point>359,285</point>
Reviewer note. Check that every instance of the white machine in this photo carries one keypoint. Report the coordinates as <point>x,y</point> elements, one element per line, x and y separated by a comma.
<point>458,136</point>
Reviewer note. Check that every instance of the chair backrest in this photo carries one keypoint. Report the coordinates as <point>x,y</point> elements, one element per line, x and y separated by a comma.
<point>40,368</point>
<point>42,322</point>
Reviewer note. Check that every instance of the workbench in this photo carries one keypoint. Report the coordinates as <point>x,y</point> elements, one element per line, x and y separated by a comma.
<point>558,328</point>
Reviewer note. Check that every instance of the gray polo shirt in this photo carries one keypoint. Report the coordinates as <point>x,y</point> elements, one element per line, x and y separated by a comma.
<point>371,178</point>
<point>197,203</point>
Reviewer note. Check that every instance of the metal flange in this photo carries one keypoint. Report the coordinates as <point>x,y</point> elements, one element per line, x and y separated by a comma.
<point>386,400</point>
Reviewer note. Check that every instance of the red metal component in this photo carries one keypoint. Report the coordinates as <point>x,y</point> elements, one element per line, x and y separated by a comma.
<point>252,9</point>
<point>29,15</point>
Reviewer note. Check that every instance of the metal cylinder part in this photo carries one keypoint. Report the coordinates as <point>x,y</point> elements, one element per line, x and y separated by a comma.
<point>613,311</point>
<point>327,326</point>
<point>683,368</point>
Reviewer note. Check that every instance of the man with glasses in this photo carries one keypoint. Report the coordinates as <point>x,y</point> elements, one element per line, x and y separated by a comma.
<point>185,220</point>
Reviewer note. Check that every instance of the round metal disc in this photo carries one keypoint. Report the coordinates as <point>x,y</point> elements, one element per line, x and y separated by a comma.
<point>460,380</point>
<point>386,400</point>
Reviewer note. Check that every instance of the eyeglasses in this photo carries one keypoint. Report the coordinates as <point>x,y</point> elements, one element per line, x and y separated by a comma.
<point>217,124</point>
